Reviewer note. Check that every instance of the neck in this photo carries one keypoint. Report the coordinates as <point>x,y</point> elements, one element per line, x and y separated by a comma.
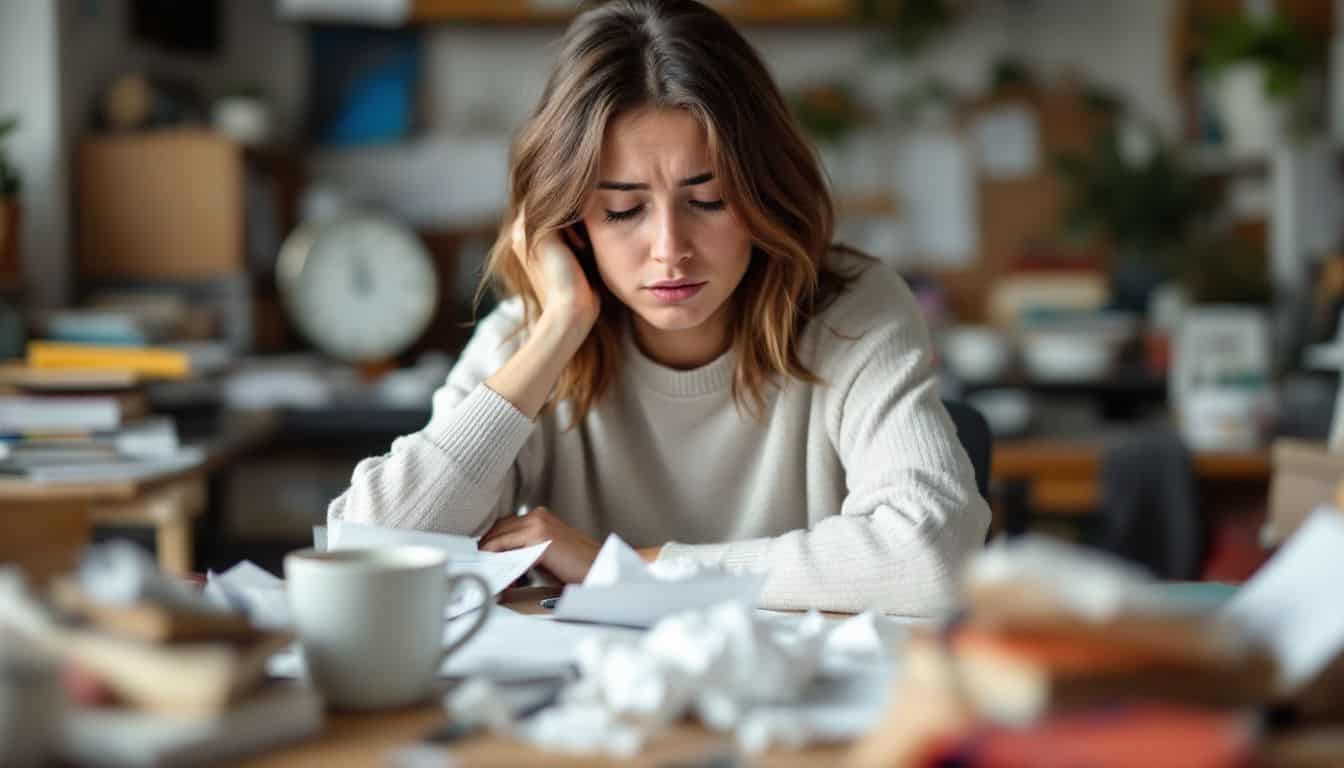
<point>688,349</point>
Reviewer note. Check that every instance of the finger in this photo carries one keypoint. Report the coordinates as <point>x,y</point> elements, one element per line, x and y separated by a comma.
<point>508,541</point>
<point>506,526</point>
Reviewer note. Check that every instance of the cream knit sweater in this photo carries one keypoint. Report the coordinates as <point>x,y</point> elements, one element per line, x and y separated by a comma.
<point>850,494</point>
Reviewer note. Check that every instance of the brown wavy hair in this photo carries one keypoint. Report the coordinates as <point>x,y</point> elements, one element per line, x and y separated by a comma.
<point>630,54</point>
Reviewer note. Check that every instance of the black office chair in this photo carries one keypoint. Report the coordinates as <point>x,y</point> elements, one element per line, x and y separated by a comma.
<point>976,439</point>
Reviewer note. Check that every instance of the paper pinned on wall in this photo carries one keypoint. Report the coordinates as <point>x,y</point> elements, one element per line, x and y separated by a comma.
<point>1007,143</point>
<point>938,193</point>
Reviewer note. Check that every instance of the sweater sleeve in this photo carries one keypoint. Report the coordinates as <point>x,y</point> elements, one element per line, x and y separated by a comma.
<point>912,513</point>
<point>459,473</point>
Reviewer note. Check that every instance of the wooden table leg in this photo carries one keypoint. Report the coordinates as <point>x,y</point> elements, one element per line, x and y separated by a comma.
<point>44,538</point>
<point>170,510</point>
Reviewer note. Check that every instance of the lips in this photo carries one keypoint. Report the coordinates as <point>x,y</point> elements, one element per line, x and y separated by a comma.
<point>674,291</point>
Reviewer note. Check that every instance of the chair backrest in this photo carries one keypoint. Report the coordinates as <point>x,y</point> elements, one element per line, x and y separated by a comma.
<point>976,439</point>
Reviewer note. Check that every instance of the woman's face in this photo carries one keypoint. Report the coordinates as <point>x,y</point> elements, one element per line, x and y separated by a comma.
<point>666,243</point>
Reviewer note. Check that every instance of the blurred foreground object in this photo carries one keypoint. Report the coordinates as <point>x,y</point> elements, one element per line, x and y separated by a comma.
<point>156,674</point>
<point>1066,654</point>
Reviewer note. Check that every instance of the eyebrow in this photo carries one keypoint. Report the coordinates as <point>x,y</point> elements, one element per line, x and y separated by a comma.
<point>625,186</point>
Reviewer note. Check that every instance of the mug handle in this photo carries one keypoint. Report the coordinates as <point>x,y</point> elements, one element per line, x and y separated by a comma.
<point>481,615</point>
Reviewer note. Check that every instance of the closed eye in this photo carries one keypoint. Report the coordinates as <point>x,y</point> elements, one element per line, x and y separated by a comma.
<point>708,205</point>
<point>625,215</point>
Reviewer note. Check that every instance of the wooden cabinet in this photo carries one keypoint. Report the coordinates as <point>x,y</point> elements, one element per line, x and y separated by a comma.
<point>535,11</point>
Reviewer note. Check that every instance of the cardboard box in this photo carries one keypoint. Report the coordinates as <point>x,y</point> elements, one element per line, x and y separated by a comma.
<point>164,205</point>
<point>1306,476</point>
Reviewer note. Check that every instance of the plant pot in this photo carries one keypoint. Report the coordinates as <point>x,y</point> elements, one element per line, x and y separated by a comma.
<point>10,220</point>
<point>1253,122</point>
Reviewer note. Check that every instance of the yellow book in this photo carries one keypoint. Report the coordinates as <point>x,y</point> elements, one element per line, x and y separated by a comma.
<point>147,361</point>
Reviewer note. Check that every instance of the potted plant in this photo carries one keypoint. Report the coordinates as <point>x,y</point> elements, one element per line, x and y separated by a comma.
<point>1136,192</point>
<point>1258,69</point>
<point>911,25</point>
<point>9,208</point>
<point>832,114</point>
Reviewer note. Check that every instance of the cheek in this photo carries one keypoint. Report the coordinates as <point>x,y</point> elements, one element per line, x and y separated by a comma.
<point>727,240</point>
<point>615,252</point>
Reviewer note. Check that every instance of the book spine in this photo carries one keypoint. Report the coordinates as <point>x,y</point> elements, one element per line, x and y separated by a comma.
<point>144,360</point>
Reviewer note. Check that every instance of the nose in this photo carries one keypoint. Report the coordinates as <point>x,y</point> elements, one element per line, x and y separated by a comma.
<point>671,244</point>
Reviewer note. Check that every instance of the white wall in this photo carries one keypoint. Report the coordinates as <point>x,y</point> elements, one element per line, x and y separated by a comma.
<point>30,87</point>
<point>488,77</point>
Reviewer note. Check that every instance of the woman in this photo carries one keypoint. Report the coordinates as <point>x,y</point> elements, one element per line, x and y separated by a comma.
<point>683,358</point>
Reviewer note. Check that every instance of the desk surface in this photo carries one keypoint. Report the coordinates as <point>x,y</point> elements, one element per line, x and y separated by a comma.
<point>1081,456</point>
<point>357,740</point>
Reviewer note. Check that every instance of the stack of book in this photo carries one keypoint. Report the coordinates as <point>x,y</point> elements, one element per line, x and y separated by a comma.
<point>168,685</point>
<point>1067,663</point>
<point>74,413</point>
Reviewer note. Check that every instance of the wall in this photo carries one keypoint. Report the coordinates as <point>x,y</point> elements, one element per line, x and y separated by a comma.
<point>30,87</point>
<point>485,79</point>
<point>492,76</point>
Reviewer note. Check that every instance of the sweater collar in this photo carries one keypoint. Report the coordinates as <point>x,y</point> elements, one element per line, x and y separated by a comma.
<point>713,377</point>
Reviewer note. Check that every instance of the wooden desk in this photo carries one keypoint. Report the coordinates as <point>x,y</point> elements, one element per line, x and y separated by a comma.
<point>358,740</point>
<point>1063,476</point>
<point>47,526</point>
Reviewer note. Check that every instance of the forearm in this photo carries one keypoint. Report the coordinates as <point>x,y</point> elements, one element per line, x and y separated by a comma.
<point>530,375</point>
<point>873,562</point>
<point>452,476</point>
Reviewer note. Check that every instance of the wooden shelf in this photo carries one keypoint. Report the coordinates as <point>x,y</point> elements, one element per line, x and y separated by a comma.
<point>535,12</point>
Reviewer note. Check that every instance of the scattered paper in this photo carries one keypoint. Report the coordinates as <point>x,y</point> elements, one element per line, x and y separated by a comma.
<point>1290,604</point>
<point>510,647</point>
<point>262,596</point>
<point>121,573</point>
<point>249,588</point>
<point>762,678</point>
<point>621,589</point>
<point>347,535</point>
<point>499,569</point>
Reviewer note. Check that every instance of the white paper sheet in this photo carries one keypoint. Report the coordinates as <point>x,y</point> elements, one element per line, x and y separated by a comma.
<point>499,569</point>
<point>253,590</point>
<point>1291,604</point>
<point>347,535</point>
<point>621,590</point>
<point>262,595</point>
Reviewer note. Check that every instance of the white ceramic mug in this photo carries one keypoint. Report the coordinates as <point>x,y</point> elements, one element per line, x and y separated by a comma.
<point>370,621</point>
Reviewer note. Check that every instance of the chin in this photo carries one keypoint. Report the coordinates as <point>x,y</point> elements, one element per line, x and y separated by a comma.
<point>673,318</point>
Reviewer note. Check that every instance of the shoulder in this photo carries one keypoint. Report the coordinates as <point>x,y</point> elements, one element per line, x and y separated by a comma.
<point>877,303</point>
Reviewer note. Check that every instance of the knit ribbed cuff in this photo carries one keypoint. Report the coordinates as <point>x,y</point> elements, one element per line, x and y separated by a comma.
<point>482,433</point>
<point>748,556</point>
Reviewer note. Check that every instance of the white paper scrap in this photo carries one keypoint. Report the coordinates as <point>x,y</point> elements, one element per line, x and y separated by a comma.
<point>1291,604</point>
<point>621,589</point>
<point>499,569</point>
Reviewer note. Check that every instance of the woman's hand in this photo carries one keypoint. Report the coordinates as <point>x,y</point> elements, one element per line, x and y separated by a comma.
<point>561,286</point>
<point>570,554</point>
